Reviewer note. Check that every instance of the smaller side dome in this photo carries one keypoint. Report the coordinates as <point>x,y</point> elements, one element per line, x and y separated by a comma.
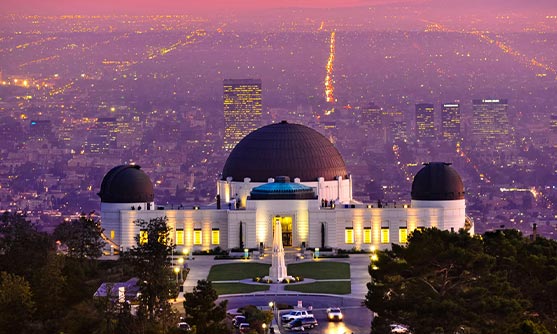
<point>126,184</point>
<point>437,181</point>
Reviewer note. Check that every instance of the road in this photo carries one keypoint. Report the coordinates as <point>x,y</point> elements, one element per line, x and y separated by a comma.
<point>357,318</point>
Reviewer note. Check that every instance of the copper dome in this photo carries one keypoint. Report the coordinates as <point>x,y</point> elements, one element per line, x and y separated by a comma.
<point>292,150</point>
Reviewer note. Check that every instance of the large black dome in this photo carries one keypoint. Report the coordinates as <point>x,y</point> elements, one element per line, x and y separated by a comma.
<point>292,150</point>
<point>437,181</point>
<point>126,184</point>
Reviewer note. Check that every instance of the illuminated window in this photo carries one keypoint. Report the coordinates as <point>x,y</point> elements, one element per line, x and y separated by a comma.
<point>112,234</point>
<point>143,237</point>
<point>349,235</point>
<point>384,235</point>
<point>367,235</point>
<point>179,237</point>
<point>403,235</point>
<point>197,237</point>
<point>215,236</point>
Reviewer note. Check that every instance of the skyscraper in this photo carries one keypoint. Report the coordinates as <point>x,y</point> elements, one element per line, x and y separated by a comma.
<point>102,135</point>
<point>450,121</point>
<point>371,118</point>
<point>242,109</point>
<point>425,121</point>
<point>490,125</point>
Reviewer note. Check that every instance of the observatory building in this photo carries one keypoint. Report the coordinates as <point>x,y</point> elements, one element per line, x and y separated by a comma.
<point>292,174</point>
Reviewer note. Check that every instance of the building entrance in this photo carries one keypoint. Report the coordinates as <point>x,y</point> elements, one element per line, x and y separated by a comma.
<point>286,227</point>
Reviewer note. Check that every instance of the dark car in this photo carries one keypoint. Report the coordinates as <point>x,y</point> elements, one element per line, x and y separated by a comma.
<point>301,324</point>
<point>238,320</point>
<point>184,326</point>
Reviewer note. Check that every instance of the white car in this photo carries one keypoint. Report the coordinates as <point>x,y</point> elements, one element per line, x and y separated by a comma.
<point>292,315</point>
<point>334,314</point>
<point>398,328</point>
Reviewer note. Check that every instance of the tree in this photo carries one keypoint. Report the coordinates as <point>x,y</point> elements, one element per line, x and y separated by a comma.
<point>149,260</point>
<point>49,292</point>
<point>16,303</point>
<point>443,282</point>
<point>201,311</point>
<point>531,267</point>
<point>82,236</point>
<point>256,318</point>
<point>23,249</point>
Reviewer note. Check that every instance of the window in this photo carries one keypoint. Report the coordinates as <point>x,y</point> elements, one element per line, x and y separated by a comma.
<point>403,235</point>
<point>197,236</point>
<point>179,236</point>
<point>384,235</point>
<point>349,235</point>
<point>367,235</point>
<point>112,234</point>
<point>215,236</point>
<point>143,237</point>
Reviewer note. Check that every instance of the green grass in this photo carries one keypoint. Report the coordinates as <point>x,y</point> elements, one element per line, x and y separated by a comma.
<point>332,287</point>
<point>320,270</point>
<point>237,271</point>
<point>235,288</point>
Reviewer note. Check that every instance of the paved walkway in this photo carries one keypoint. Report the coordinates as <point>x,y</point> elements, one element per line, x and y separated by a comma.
<point>201,265</point>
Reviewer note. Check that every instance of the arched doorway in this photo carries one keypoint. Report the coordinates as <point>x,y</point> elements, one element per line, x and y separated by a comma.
<point>286,227</point>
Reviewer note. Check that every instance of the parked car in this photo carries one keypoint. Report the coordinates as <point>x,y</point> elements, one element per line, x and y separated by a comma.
<point>301,324</point>
<point>184,326</point>
<point>295,315</point>
<point>334,314</point>
<point>238,320</point>
<point>398,328</point>
<point>243,327</point>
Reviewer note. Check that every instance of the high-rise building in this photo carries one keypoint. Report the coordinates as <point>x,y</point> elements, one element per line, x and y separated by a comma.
<point>242,109</point>
<point>490,124</point>
<point>450,121</point>
<point>102,135</point>
<point>371,118</point>
<point>425,121</point>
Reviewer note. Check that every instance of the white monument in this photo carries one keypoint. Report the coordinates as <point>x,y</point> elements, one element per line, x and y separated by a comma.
<point>277,272</point>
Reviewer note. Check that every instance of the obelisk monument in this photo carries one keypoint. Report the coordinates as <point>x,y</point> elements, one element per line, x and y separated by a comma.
<point>277,272</point>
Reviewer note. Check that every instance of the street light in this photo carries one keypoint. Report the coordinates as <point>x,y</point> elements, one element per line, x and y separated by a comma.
<point>181,263</point>
<point>176,271</point>
<point>264,326</point>
<point>186,253</point>
<point>373,258</point>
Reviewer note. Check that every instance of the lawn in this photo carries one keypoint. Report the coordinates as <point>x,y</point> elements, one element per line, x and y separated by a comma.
<point>332,287</point>
<point>235,288</point>
<point>320,270</point>
<point>237,271</point>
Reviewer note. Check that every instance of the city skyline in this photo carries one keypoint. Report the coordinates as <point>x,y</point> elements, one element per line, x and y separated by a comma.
<point>148,89</point>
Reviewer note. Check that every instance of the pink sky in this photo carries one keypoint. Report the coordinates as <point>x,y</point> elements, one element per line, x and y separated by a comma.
<point>173,6</point>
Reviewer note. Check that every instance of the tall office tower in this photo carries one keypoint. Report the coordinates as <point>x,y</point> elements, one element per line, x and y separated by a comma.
<point>490,125</point>
<point>102,135</point>
<point>425,121</point>
<point>450,121</point>
<point>242,109</point>
<point>553,130</point>
<point>398,131</point>
<point>371,118</point>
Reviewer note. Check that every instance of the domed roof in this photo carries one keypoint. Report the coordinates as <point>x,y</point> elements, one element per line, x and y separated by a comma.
<point>292,150</point>
<point>437,181</point>
<point>126,184</point>
<point>282,188</point>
